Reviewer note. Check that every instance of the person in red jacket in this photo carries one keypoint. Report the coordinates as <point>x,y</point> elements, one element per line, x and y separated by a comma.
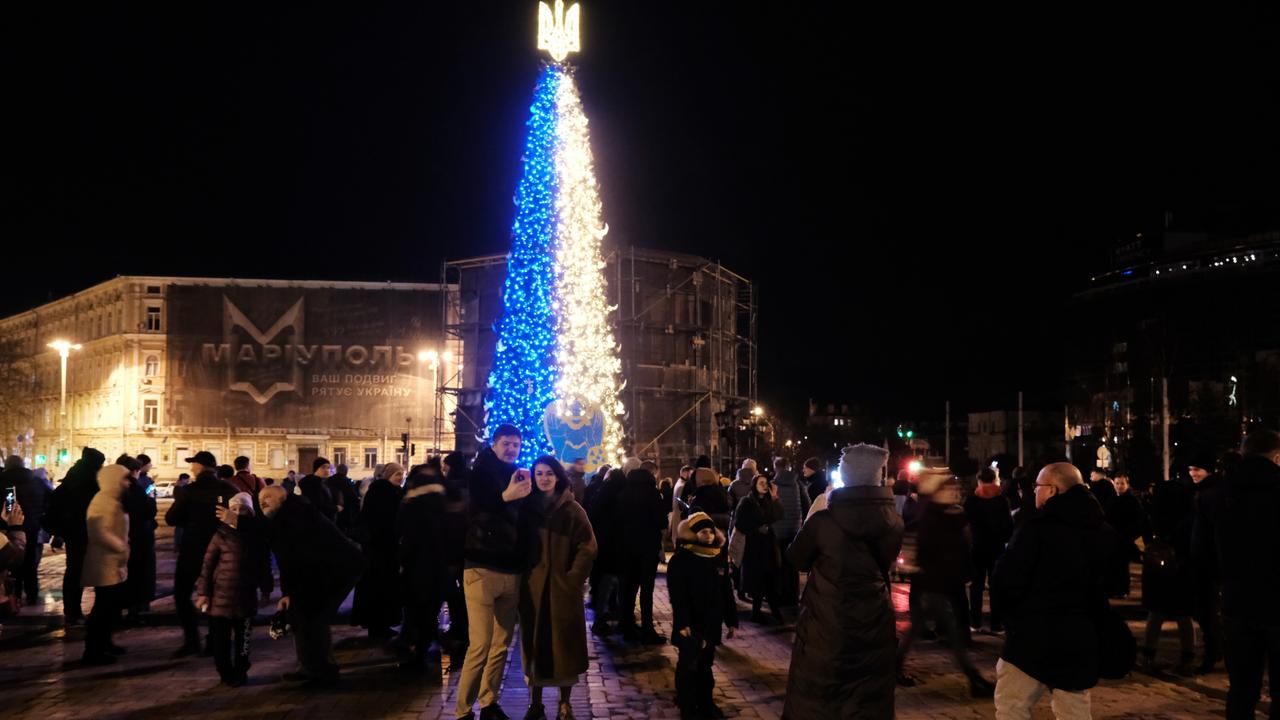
<point>244,480</point>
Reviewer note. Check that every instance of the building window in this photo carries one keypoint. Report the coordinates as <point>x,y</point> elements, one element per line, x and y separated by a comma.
<point>277,458</point>
<point>153,289</point>
<point>150,412</point>
<point>153,319</point>
<point>402,458</point>
<point>370,458</point>
<point>339,456</point>
<point>152,366</point>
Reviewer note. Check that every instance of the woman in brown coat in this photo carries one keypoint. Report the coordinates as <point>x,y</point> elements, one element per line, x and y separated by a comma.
<point>553,637</point>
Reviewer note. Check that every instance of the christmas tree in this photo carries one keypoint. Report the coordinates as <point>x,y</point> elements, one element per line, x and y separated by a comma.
<point>556,365</point>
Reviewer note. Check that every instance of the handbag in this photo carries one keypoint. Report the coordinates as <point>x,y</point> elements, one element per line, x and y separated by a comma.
<point>737,547</point>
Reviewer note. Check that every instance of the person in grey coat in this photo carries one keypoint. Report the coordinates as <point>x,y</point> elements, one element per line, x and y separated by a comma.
<point>795,502</point>
<point>842,665</point>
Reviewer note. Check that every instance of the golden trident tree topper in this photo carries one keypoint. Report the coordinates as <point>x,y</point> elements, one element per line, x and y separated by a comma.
<point>558,30</point>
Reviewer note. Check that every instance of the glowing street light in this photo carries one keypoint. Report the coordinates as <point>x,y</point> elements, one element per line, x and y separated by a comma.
<point>64,349</point>
<point>757,411</point>
<point>435,358</point>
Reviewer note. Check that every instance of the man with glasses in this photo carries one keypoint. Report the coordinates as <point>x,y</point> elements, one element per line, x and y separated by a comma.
<point>1049,584</point>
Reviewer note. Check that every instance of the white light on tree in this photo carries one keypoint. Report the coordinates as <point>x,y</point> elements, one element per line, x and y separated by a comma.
<point>558,30</point>
<point>586,350</point>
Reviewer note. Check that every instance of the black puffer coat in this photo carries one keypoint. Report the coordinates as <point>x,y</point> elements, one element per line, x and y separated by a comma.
<point>1050,586</point>
<point>842,665</point>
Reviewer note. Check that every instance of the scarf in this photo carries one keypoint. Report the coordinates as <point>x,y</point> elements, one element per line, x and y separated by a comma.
<point>701,550</point>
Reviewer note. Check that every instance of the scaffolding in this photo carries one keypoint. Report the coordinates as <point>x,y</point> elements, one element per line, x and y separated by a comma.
<point>687,330</point>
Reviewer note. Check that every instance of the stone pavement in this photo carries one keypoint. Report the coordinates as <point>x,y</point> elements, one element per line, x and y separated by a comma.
<point>40,676</point>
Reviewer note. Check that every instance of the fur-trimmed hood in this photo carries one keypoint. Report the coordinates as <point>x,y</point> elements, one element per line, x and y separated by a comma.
<point>429,489</point>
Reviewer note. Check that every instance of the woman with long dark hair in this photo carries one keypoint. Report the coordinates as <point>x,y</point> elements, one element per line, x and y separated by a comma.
<point>756,514</point>
<point>553,638</point>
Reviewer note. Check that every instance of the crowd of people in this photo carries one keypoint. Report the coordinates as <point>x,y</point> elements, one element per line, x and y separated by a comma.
<point>502,546</point>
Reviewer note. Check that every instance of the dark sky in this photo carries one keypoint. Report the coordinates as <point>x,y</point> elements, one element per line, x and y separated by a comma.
<point>914,195</point>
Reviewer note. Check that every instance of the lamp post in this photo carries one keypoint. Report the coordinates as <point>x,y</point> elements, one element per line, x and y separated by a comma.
<point>64,349</point>
<point>435,359</point>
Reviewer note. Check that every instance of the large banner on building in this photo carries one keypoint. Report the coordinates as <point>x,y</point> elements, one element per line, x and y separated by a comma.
<point>306,358</point>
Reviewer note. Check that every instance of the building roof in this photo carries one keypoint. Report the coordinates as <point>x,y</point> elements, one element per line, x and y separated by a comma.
<point>225,282</point>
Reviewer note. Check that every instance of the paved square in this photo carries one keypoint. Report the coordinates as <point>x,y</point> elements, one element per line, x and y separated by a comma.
<point>40,675</point>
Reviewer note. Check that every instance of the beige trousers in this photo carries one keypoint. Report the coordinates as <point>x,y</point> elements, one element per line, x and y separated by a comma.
<point>1018,692</point>
<point>492,611</point>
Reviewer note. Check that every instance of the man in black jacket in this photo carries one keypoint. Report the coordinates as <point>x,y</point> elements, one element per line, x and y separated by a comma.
<point>318,567</point>
<point>314,488</point>
<point>992,526</point>
<point>1051,588</point>
<point>1248,551</point>
<point>494,563</point>
<point>642,514</point>
<point>194,510</point>
<point>33,495</point>
<point>66,518</point>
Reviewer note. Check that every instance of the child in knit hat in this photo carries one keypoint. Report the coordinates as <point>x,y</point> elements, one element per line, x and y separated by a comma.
<point>236,566</point>
<point>695,581</point>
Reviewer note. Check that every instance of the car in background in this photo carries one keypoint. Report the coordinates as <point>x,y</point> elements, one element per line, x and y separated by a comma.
<point>162,489</point>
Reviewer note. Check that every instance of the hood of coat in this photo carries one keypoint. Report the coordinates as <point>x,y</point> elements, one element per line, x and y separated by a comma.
<point>1077,507</point>
<point>429,489</point>
<point>109,480</point>
<point>703,477</point>
<point>857,510</point>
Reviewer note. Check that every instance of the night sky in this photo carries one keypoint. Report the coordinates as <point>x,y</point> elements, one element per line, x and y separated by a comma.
<point>916,200</point>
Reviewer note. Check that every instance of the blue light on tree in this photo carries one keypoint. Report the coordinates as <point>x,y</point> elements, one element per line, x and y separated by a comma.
<point>524,375</point>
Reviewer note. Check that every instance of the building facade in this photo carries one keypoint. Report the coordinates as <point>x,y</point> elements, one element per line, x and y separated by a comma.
<point>279,371</point>
<point>1177,353</point>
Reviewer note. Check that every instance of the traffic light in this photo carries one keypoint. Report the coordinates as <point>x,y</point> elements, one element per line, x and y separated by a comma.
<point>41,459</point>
<point>910,434</point>
<point>64,456</point>
<point>404,439</point>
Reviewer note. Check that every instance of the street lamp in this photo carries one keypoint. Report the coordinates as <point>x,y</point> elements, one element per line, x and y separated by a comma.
<point>64,349</point>
<point>433,357</point>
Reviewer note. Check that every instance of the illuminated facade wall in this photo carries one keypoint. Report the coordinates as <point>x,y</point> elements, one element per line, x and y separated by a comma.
<point>280,371</point>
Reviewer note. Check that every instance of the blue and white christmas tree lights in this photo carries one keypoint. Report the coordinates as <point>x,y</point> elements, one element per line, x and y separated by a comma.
<point>556,365</point>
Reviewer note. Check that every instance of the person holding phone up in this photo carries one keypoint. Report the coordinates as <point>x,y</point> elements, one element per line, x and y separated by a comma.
<point>494,563</point>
